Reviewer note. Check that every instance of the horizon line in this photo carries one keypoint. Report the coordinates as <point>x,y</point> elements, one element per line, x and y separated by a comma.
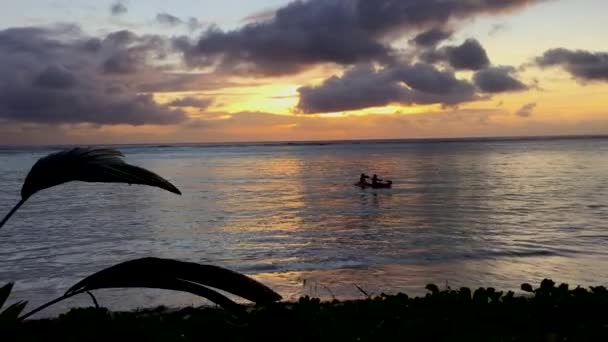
<point>330,141</point>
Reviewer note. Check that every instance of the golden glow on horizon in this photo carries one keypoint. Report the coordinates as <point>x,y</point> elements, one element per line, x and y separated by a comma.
<point>271,98</point>
<point>266,111</point>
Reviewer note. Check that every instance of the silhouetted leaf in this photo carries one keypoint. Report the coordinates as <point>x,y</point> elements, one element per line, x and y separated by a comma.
<point>12,313</point>
<point>173,274</point>
<point>102,165</point>
<point>527,287</point>
<point>433,288</point>
<point>88,165</point>
<point>5,291</point>
<point>547,284</point>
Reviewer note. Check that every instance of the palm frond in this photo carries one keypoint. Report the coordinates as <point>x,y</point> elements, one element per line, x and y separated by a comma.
<point>150,270</point>
<point>5,291</point>
<point>174,275</point>
<point>10,314</point>
<point>102,165</point>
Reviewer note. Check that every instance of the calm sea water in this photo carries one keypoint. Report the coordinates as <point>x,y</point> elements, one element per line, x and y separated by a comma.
<point>476,213</point>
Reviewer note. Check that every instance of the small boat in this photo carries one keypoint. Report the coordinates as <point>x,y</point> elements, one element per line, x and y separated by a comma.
<point>381,185</point>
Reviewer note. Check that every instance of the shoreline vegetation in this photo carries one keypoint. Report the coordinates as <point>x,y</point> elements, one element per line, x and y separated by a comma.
<point>550,313</point>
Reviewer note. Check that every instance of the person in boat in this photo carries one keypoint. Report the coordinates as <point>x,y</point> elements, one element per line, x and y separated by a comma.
<point>375,179</point>
<point>363,178</point>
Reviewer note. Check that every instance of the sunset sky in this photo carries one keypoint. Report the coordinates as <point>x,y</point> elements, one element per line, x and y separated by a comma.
<point>147,71</point>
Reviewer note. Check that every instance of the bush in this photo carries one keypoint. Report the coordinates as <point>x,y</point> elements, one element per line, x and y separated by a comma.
<point>550,313</point>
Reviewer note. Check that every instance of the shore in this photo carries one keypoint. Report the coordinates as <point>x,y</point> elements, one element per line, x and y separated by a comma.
<point>548,313</point>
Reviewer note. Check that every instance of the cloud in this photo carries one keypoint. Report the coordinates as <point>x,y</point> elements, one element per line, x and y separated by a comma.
<point>55,76</point>
<point>581,64</point>
<point>118,8</point>
<point>171,21</point>
<point>470,55</point>
<point>263,15</point>
<point>124,52</point>
<point>498,79</point>
<point>345,32</point>
<point>360,87</point>
<point>363,86</point>
<point>191,102</point>
<point>194,24</point>
<point>431,37</point>
<point>154,81</point>
<point>257,126</point>
<point>526,110</point>
<point>168,19</point>
<point>60,76</point>
<point>252,126</point>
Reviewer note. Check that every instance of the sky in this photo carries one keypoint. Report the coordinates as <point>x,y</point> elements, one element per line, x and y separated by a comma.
<point>151,71</point>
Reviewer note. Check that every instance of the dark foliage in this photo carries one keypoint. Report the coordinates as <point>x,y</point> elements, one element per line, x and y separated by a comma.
<point>149,271</point>
<point>550,313</point>
<point>88,165</point>
<point>9,316</point>
<point>99,165</point>
<point>174,275</point>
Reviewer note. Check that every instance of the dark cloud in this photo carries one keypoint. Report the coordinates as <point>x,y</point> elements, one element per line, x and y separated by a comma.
<point>55,76</point>
<point>120,63</point>
<point>363,86</point>
<point>387,15</point>
<point>159,82</point>
<point>359,87</point>
<point>168,19</point>
<point>431,37</point>
<point>498,79</point>
<point>117,38</point>
<point>60,76</point>
<point>526,110</point>
<point>470,55</point>
<point>191,102</point>
<point>583,65</point>
<point>127,52</point>
<point>339,31</point>
<point>118,8</point>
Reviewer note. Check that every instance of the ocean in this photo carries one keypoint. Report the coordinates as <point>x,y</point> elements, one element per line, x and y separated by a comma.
<point>461,213</point>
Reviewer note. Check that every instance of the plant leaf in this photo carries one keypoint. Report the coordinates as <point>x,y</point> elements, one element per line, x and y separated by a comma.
<point>103,165</point>
<point>172,274</point>
<point>11,314</point>
<point>5,291</point>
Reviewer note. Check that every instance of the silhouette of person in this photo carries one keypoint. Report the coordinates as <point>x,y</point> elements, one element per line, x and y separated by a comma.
<point>375,179</point>
<point>363,178</point>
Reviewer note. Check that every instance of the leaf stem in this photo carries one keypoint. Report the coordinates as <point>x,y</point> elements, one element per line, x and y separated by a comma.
<point>11,212</point>
<point>94,299</point>
<point>44,306</point>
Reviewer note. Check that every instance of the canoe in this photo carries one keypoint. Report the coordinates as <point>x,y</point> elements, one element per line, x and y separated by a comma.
<point>386,185</point>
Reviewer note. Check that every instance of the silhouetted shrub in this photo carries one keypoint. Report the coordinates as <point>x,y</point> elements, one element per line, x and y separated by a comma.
<point>549,313</point>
